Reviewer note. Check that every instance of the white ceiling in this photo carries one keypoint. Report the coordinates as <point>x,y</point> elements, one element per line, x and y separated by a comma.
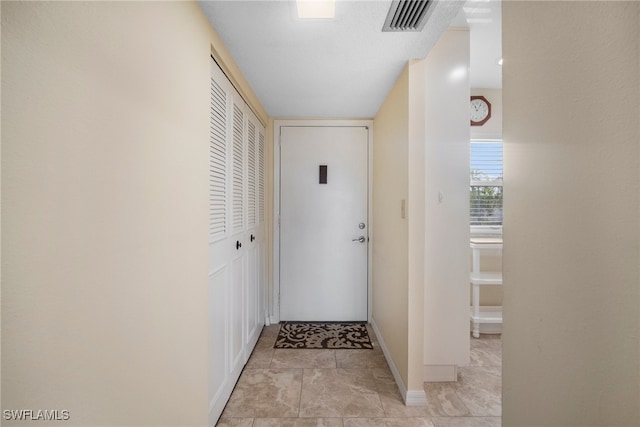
<point>326,68</point>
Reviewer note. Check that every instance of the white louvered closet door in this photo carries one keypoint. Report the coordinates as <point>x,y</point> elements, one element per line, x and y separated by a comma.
<point>236,264</point>
<point>238,241</point>
<point>255,226</point>
<point>260,232</point>
<point>219,240</point>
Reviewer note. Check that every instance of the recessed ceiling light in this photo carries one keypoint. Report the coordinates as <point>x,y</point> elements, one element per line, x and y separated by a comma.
<point>500,61</point>
<point>316,9</point>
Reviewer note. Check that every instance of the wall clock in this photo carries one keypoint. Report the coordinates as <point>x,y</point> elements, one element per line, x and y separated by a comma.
<point>480,110</point>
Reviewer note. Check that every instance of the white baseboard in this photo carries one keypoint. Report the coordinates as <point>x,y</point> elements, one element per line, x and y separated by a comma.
<point>440,373</point>
<point>415,398</point>
<point>410,397</point>
<point>489,328</point>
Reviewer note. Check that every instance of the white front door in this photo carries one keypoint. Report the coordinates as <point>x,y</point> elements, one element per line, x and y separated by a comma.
<point>323,223</point>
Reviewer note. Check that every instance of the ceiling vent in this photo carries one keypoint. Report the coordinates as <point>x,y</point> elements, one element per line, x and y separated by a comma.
<point>407,15</point>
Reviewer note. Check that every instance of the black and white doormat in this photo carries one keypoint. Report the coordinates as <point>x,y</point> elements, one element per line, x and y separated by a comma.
<point>323,335</point>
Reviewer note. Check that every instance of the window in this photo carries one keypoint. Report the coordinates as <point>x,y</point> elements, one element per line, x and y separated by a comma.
<point>486,187</point>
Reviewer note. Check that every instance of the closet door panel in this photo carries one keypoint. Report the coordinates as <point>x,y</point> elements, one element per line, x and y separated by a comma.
<point>238,219</point>
<point>218,327</point>
<point>236,312</point>
<point>220,256</point>
<point>236,230</point>
<point>260,232</point>
<point>254,323</point>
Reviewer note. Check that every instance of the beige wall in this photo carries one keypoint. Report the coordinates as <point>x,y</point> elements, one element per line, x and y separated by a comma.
<point>417,223</point>
<point>571,233</point>
<point>104,196</point>
<point>1,103</point>
<point>390,230</point>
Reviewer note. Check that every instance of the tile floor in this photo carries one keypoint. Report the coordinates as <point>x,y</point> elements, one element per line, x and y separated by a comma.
<point>355,388</point>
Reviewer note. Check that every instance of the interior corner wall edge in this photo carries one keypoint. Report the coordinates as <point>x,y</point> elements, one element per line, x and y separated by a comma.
<point>571,94</point>
<point>104,210</point>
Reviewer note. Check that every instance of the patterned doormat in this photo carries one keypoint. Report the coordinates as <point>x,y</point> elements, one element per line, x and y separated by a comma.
<point>323,335</point>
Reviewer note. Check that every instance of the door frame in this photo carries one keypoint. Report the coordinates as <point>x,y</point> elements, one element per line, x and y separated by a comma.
<point>277,125</point>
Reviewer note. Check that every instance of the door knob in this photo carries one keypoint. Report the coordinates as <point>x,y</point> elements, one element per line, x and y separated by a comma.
<point>360,239</point>
<point>253,237</point>
<point>238,244</point>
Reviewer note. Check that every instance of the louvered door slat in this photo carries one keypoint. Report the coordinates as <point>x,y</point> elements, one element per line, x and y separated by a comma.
<point>215,128</point>
<point>217,164</point>
<point>238,169</point>
<point>251,162</point>
<point>215,177</point>
<point>261,177</point>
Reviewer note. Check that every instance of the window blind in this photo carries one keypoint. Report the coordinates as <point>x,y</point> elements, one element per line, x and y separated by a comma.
<point>486,183</point>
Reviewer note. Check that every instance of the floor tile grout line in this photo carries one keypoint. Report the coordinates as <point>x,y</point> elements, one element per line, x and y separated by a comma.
<point>375,385</point>
<point>471,414</point>
<point>300,398</point>
<point>455,391</point>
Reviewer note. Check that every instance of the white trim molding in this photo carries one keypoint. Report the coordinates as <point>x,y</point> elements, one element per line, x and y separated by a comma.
<point>415,398</point>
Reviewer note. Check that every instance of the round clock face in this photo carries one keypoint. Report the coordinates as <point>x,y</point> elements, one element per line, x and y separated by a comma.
<point>480,111</point>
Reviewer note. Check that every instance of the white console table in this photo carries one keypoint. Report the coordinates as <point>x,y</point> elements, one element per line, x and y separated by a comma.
<point>480,278</point>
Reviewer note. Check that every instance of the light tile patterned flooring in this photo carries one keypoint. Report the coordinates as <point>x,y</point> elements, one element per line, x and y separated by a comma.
<point>355,388</point>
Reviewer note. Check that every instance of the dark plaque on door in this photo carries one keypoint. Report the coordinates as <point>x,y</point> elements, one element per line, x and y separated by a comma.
<point>323,174</point>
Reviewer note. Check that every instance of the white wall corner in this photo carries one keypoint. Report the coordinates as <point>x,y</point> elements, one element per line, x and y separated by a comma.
<point>440,373</point>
